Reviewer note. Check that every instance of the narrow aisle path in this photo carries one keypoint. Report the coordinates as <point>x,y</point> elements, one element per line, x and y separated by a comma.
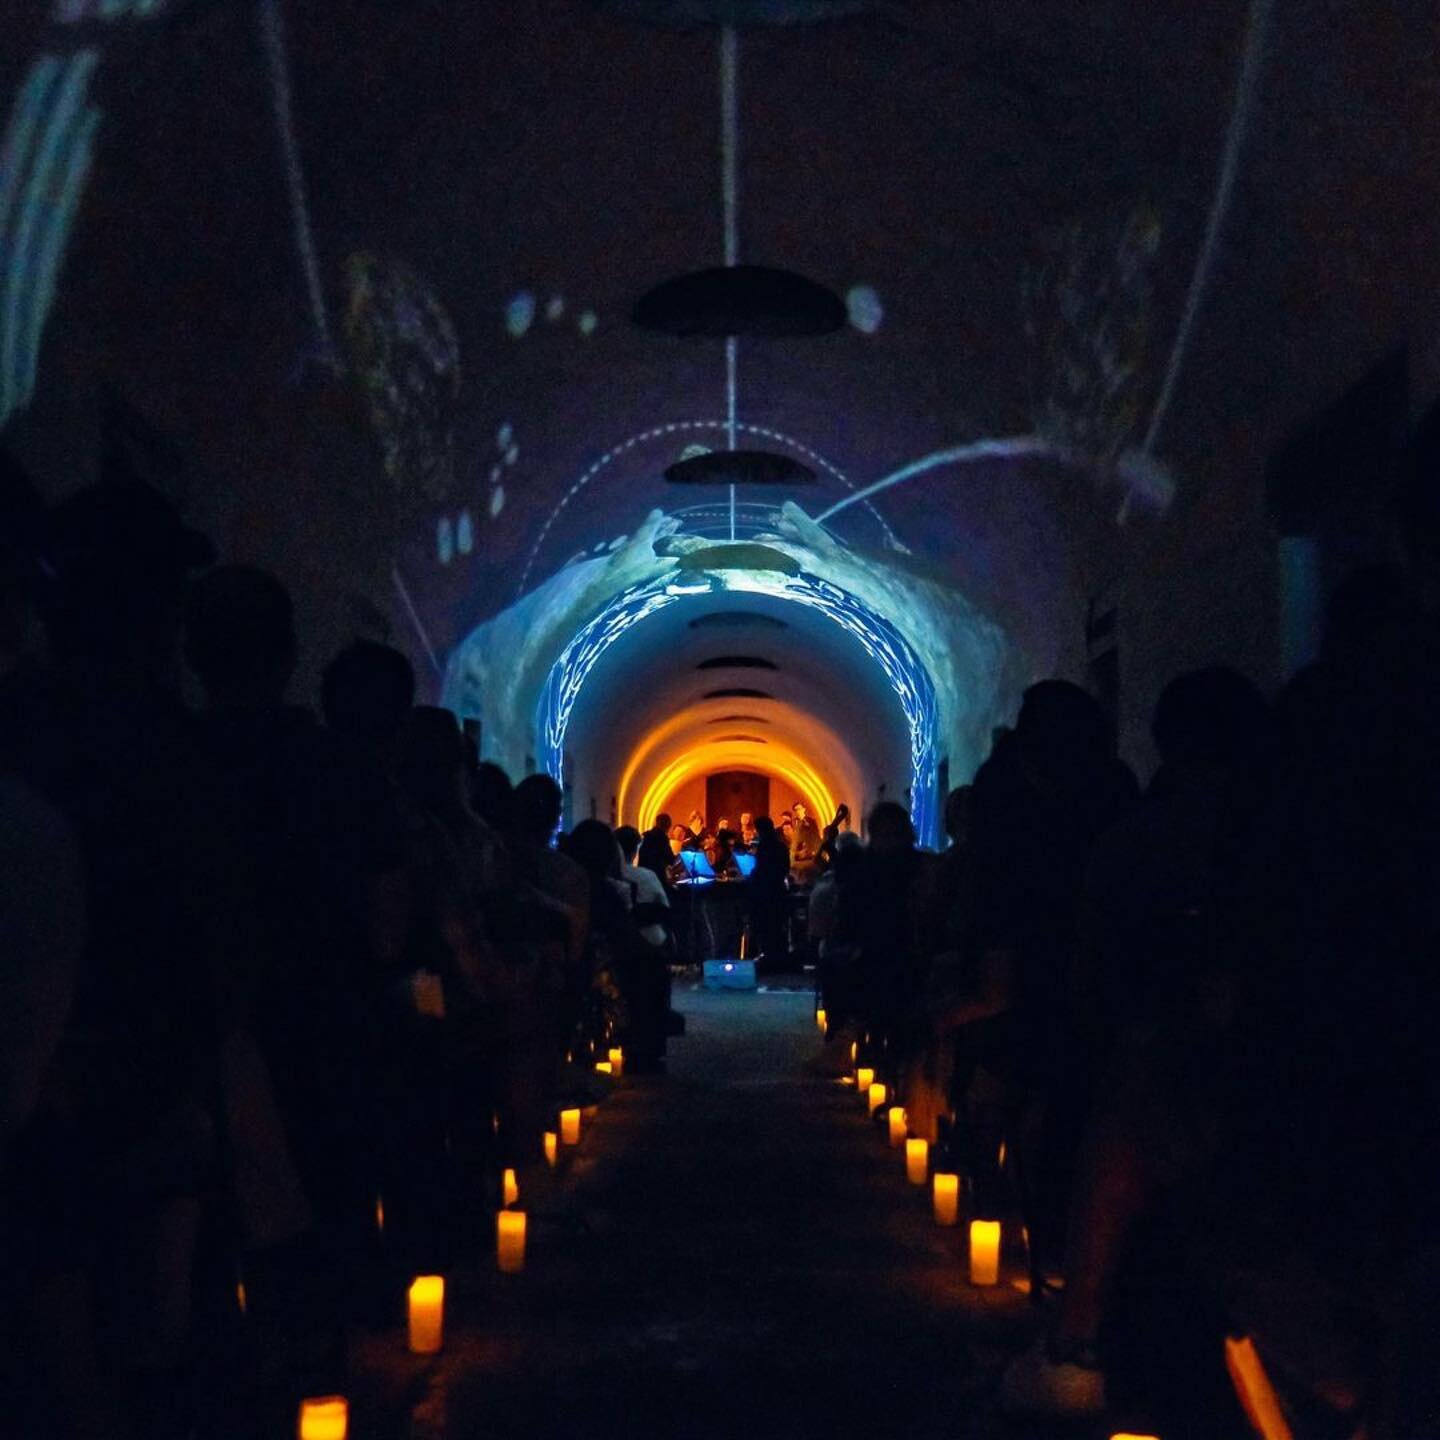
<point>749,1262</point>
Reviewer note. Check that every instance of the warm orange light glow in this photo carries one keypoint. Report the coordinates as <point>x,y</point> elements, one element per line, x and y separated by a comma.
<point>510,1241</point>
<point>917,1160</point>
<point>427,1313</point>
<point>864,1078</point>
<point>570,1126</point>
<point>509,1187</point>
<point>617,1061</point>
<point>552,1148</point>
<point>896,1118</point>
<point>1256,1394</point>
<point>984,1252</point>
<point>946,1197</point>
<point>800,751</point>
<point>604,1067</point>
<point>324,1418</point>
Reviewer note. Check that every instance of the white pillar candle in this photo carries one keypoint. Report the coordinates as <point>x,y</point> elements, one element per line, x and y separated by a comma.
<point>552,1148</point>
<point>427,1313</point>
<point>325,1418</point>
<point>946,1198</point>
<point>897,1125</point>
<point>617,1061</point>
<point>509,1187</point>
<point>820,1019</point>
<point>570,1126</point>
<point>604,1067</point>
<point>984,1252</point>
<point>876,1094</point>
<point>917,1160</point>
<point>864,1078</point>
<point>510,1241</point>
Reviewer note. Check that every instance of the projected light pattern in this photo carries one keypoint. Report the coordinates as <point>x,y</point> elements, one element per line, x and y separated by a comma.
<point>44,163</point>
<point>680,427</point>
<point>879,638</point>
<point>72,12</point>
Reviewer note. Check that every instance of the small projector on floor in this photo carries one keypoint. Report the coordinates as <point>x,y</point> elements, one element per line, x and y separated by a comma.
<point>729,974</point>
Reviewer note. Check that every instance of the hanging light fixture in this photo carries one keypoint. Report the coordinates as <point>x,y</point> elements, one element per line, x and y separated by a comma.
<point>739,467</point>
<point>740,300</point>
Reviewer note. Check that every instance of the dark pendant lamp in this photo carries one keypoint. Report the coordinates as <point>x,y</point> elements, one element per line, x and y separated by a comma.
<point>740,300</point>
<point>739,467</point>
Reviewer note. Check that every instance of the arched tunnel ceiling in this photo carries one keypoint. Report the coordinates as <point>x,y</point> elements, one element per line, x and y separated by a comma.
<point>645,704</point>
<point>488,189</point>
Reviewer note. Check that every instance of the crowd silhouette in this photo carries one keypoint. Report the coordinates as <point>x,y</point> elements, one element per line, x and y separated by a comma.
<point>284,994</point>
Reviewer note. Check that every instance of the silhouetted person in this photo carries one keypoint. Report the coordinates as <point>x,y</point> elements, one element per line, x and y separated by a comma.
<point>104,736</point>
<point>767,890</point>
<point>618,950</point>
<point>1161,948</point>
<point>309,841</point>
<point>537,808</point>
<point>649,890</point>
<point>1041,800</point>
<point>806,845</point>
<point>655,852</point>
<point>492,797</point>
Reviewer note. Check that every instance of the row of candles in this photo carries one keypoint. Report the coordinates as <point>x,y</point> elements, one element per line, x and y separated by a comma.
<point>985,1235</point>
<point>327,1417</point>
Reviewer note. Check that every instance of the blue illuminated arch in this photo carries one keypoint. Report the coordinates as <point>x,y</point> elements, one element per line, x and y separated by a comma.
<point>906,675</point>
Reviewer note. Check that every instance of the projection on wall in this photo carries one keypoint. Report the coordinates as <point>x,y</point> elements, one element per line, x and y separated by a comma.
<point>45,160</point>
<point>406,360</point>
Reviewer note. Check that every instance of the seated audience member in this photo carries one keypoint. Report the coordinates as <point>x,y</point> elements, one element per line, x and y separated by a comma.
<point>1156,980</point>
<point>492,797</point>
<point>649,890</point>
<point>308,842</point>
<point>747,829</point>
<point>1040,802</point>
<point>619,958</point>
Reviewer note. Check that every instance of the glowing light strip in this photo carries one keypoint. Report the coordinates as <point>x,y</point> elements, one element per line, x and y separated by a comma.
<point>678,427</point>
<point>75,170</point>
<point>730,203</point>
<point>878,637</point>
<point>730,140</point>
<point>272,31</point>
<point>415,620</point>
<point>787,766</point>
<point>31,106</point>
<point>66,103</point>
<point>1246,86</point>
<point>1016,446</point>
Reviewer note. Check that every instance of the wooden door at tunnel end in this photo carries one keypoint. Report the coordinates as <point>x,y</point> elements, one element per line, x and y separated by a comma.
<point>729,794</point>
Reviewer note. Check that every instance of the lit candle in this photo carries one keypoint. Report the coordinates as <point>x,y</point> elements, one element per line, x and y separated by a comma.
<point>325,1418</point>
<point>570,1126</point>
<point>877,1096</point>
<point>552,1148</point>
<point>984,1252</point>
<point>510,1241</point>
<point>427,1313</point>
<point>380,1213</point>
<point>509,1187</point>
<point>617,1060</point>
<point>1252,1385</point>
<point>946,1198</point>
<point>897,1125</point>
<point>820,1019</point>
<point>854,1051</point>
<point>1126,1435</point>
<point>917,1161</point>
<point>864,1078</point>
<point>604,1067</point>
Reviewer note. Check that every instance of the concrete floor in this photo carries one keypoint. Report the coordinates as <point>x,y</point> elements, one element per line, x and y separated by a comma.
<point>732,1252</point>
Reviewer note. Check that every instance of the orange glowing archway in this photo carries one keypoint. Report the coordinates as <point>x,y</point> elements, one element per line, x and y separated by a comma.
<point>794,747</point>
